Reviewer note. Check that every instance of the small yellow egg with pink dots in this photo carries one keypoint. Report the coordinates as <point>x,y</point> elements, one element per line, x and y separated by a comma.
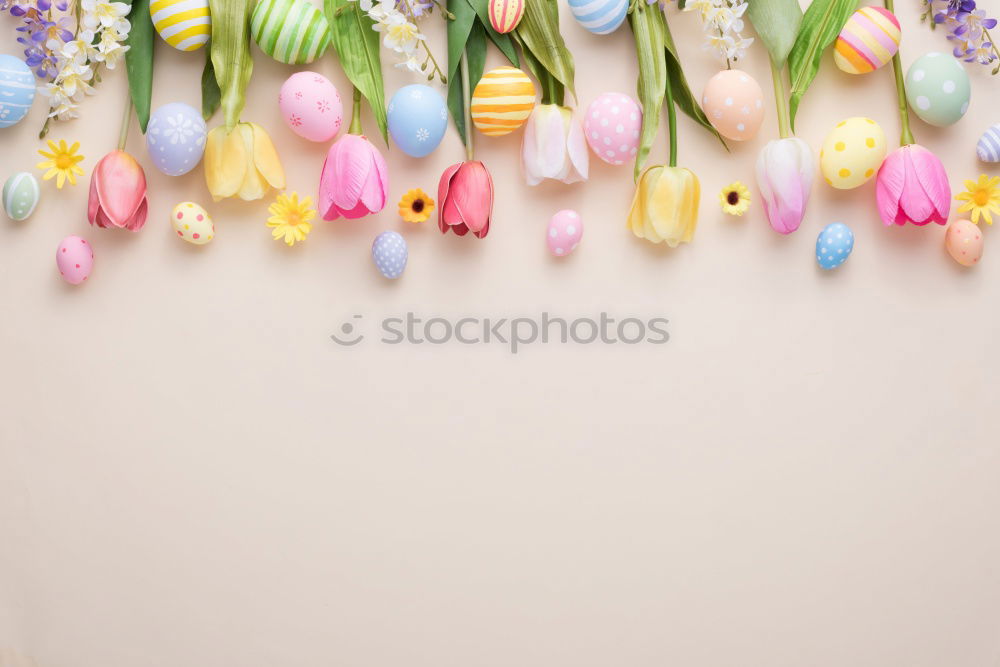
<point>852,153</point>
<point>192,223</point>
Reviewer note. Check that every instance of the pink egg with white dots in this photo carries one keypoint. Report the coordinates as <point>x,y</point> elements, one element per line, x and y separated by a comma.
<point>734,104</point>
<point>564,233</point>
<point>612,125</point>
<point>74,259</point>
<point>311,106</point>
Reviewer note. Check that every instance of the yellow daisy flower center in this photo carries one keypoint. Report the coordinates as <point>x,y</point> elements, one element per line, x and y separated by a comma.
<point>417,206</point>
<point>733,198</point>
<point>64,161</point>
<point>981,198</point>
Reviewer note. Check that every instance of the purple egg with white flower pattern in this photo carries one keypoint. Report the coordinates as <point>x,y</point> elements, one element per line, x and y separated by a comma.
<point>612,124</point>
<point>175,138</point>
<point>390,254</point>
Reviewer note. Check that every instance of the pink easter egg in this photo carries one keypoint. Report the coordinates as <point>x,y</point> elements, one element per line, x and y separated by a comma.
<point>311,106</point>
<point>74,259</point>
<point>564,233</point>
<point>612,125</point>
<point>734,104</point>
<point>964,242</point>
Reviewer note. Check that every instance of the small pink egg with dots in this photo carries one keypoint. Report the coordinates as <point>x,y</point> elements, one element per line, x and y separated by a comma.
<point>564,232</point>
<point>74,259</point>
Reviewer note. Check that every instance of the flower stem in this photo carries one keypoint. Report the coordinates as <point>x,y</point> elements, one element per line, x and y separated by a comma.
<point>467,105</point>
<point>126,123</point>
<point>671,122</point>
<point>906,136</point>
<point>356,114</point>
<point>995,49</point>
<point>781,101</point>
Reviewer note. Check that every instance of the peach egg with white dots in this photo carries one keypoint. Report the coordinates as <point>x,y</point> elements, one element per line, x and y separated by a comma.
<point>192,223</point>
<point>612,125</point>
<point>734,104</point>
<point>852,153</point>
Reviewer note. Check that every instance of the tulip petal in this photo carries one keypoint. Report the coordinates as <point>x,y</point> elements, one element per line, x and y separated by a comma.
<point>225,162</point>
<point>94,202</point>
<point>933,179</point>
<point>444,187</point>
<point>138,220</point>
<point>121,186</point>
<point>324,201</point>
<point>529,152</point>
<point>265,158</point>
<point>551,134</point>
<point>579,156</point>
<point>254,186</point>
<point>889,186</point>
<point>914,202</point>
<point>472,197</point>
<point>351,164</point>
<point>374,192</point>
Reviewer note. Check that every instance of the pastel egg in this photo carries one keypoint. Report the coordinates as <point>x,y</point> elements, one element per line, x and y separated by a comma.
<point>20,196</point>
<point>183,24</point>
<point>390,254</point>
<point>74,259</point>
<point>734,104</point>
<point>937,89</point>
<point>564,232</point>
<point>599,16</point>
<point>17,90</point>
<point>505,14</point>
<point>175,138</point>
<point>418,118</point>
<point>612,124</point>
<point>502,101</point>
<point>192,223</point>
<point>311,106</point>
<point>988,146</point>
<point>294,32</point>
<point>834,245</point>
<point>852,153</point>
<point>964,242</point>
<point>869,40</point>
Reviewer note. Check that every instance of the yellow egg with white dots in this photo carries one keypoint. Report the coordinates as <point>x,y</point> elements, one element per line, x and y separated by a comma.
<point>852,153</point>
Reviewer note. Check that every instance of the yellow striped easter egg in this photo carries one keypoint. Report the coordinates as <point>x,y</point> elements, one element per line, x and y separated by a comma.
<point>183,24</point>
<point>502,101</point>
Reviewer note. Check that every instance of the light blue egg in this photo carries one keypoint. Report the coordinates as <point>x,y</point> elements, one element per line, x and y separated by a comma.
<point>834,245</point>
<point>17,90</point>
<point>988,146</point>
<point>418,119</point>
<point>390,254</point>
<point>175,138</point>
<point>599,16</point>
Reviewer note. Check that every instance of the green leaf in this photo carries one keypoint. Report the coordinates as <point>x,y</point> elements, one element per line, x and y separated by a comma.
<point>777,24</point>
<point>357,44</point>
<point>821,24</point>
<point>231,56</point>
<point>503,42</point>
<point>539,32</point>
<point>139,60</point>
<point>682,94</point>
<point>648,27</point>
<point>459,40</point>
<point>211,96</point>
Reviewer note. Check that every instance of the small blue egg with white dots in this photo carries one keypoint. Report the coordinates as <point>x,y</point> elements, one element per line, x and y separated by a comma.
<point>390,254</point>
<point>834,245</point>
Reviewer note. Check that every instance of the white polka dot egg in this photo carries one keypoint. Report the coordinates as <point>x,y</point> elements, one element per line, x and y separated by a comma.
<point>175,138</point>
<point>390,254</point>
<point>192,223</point>
<point>852,153</point>
<point>734,104</point>
<point>564,232</point>
<point>612,125</point>
<point>937,89</point>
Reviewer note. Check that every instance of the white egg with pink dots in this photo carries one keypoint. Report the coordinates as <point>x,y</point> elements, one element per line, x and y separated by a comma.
<point>564,232</point>
<point>612,125</point>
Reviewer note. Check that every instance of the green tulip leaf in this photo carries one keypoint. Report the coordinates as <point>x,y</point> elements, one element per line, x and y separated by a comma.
<point>139,60</point>
<point>820,27</point>
<point>357,44</point>
<point>648,27</point>
<point>503,42</point>
<point>231,58</point>
<point>539,32</point>
<point>777,25</point>
<point>211,96</point>
<point>679,87</point>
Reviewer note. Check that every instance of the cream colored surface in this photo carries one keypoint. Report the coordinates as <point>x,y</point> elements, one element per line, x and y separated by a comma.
<point>192,473</point>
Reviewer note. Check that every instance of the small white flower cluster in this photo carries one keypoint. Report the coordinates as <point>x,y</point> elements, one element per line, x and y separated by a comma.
<point>400,35</point>
<point>722,21</point>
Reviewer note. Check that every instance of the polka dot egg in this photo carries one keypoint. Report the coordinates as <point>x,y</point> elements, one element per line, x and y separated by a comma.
<point>175,138</point>
<point>834,245</point>
<point>734,104</point>
<point>390,254</point>
<point>192,223</point>
<point>74,259</point>
<point>937,89</point>
<point>20,196</point>
<point>564,233</point>
<point>964,242</point>
<point>612,125</point>
<point>852,153</point>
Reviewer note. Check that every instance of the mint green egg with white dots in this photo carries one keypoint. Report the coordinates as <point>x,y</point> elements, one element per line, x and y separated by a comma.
<point>937,89</point>
<point>20,196</point>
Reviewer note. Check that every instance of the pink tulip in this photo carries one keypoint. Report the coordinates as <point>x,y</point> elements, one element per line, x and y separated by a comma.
<point>912,186</point>
<point>465,197</point>
<point>554,146</point>
<point>785,171</point>
<point>118,193</point>
<point>355,179</point>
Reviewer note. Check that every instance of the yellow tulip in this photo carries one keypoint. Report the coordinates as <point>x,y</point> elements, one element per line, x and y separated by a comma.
<point>242,163</point>
<point>665,205</point>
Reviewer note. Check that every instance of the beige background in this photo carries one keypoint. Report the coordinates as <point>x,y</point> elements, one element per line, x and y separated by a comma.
<point>191,473</point>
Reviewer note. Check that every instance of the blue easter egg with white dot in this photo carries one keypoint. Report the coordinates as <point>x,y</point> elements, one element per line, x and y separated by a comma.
<point>599,16</point>
<point>17,90</point>
<point>418,119</point>
<point>988,146</point>
<point>937,89</point>
<point>175,138</point>
<point>390,254</point>
<point>834,245</point>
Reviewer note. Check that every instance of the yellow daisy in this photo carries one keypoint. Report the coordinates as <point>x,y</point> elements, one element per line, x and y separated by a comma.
<point>982,197</point>
<point>290,218</point>
<point>735,199</point>
<point>415,206</point>
<point>62,163</point>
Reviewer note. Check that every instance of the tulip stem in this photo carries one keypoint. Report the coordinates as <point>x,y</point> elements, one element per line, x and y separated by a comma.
<point>126,123</point>
<point>671,122</point>
<point>906,136</point>
<point>356,114</point>
<point>466,106</point>
<point>781,100</point>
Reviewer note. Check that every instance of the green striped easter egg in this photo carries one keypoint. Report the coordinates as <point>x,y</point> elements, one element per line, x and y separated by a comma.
<point>294,32</point>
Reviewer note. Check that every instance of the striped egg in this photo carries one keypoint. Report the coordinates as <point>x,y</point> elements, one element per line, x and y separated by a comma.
<point>293,32</point>
<point>988,146</point>
<point>869,40</point>
<point>20,196</point>
<point>185,25</point>
<point>505,14</point>
<point>502,101</point>
<point>599,16</point>
<point>17,90</point>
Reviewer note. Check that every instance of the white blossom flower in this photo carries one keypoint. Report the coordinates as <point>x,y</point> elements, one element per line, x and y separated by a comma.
<point>722,21</point>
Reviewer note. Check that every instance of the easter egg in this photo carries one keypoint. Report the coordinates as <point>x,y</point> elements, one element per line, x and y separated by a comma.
<point>937,89</point>
<point>74,259</point>
<point>964,242</point>
<point>293,32</point>
<point>20,196</point>
<point>175,138</point>
<point>192,223</point>
<point>599,16</point>
<point>389,252</point>
<point>505,14</point>
<point>734,104</point>
<point>311,106</point>
<point>183,24</point>
<point>870,39</point>
<point>502,101</point>
<point>988,146</point>
<point>834,245</point>
<point>418,119</point>
<point>564,232</point>
<point>17,90</point>
<point>611,125</point>
<point>852,153</point>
